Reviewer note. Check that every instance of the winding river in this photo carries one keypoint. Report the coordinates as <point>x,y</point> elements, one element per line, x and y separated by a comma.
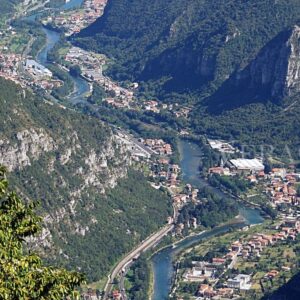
<point>81,87</point>
<point>162,262</point>
<point>190,154</point>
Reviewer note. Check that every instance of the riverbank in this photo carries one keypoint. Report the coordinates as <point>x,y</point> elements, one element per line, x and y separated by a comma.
<point>229,256</point>
<point>239,219</point>
<point>162,261</point>
<point>196,179</point>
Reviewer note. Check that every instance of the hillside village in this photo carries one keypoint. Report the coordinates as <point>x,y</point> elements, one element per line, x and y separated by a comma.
<point>219,276</point>
<point>279,186</point>
<point>230,272</point>
<point>74,21</point>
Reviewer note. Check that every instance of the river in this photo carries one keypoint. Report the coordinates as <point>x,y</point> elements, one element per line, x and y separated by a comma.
<point>72,4</point>
<point>162,262</point>
<point>190,154</point>
<point>81,86</point>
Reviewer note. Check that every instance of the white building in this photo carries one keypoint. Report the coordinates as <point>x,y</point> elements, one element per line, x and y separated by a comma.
<point>241,282</point>
<point>221,146</point>
<point>247,165</point>
<point>37,69</point>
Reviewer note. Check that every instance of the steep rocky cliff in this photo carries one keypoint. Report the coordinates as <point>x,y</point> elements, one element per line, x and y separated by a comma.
<point>276,68</point>
<point>192,45</point>
<point>292,78</point>
<point>75,166</point>
<point>272,75</point>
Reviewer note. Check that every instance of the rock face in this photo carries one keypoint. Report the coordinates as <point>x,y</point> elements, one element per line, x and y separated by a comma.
<point>274,75</point>
<point>60,157</point>
<point>190,45</point>
<point>293,72</point>
<point>99,170</point>
<point>29,145</point>
<point>95,207</point>
<point>276,69</point>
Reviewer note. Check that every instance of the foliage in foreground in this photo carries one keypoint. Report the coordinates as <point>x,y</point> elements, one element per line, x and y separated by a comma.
<point>23,275</point>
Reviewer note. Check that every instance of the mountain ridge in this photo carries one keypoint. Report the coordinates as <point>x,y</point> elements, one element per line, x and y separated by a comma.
<point>82,176</point>
<point>198,44</point>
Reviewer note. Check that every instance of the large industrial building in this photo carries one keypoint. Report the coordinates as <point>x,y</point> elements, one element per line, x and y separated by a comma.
<point>247,165</point>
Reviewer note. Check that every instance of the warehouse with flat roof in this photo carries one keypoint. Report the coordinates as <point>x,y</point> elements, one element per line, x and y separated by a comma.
<point>247,165</point>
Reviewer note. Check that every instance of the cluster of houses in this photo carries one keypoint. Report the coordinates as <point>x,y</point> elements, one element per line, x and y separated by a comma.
<point>189,194</point>
<point>182,112</point>
<point>145,148</point>
<point>206,292</point>
<point>122,98</point>
<point>12,65</point>
<point>157,107</point>
<point>40,76</point>
<point>167,175</point>
<point>75,21</point>
<point>9,64</point>
<point>279,184</point>
<point>179,200</point>
<point>159,146</point>
<point>208,273</point>
<point>165,172</point>
<point>37,70</point>
<point>240,166</point>
<point>221,146</point>
<point>239,282</point>
<point>152,105</point>
<point>281,187</point>
<point>90,63</point>
<point>91,69</point>
<point>289,229</point>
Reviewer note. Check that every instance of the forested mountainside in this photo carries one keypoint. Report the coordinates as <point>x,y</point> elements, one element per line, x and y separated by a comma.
<point>237,62</point>
<point>7,6</point>
<point>95,207</point>
<point>194,44</point>
<point>259,104</point>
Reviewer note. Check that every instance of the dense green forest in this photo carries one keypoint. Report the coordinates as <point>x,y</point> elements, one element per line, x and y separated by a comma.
<point>212,212</point>
<point>264,129</point>
<point>235,184</point>
<point>22,274</point>
<point>54,162</point>
<point>139,278</point>
<point>189,52</point>
<point>190,43</point>
<point>128,214</point>
<point>7,6</point>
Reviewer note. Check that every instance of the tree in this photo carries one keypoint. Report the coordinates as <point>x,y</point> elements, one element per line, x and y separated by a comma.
<point>75,71</point>
<point>22,274</point>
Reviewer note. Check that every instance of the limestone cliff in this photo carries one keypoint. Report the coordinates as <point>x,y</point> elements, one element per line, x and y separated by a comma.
<point>93,209</point>
<point>275,71</point>
<point>273,75</point>
<point>62,160</point>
